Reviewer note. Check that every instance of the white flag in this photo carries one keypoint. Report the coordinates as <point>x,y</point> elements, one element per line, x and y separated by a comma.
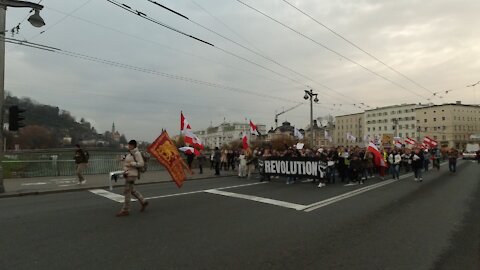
<point>328,137</point>
<point>350,137</point>
<point>297,133</point>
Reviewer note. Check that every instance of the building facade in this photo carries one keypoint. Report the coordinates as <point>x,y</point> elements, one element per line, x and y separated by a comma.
<point>226,133</point>
<point>319,139</point>
<point>352,124</point>
<point>392,121</point>
<point>451,125</point>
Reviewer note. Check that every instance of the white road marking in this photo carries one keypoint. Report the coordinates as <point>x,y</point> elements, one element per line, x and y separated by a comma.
<point>34,184</point>
<point>120,198</point>
<point>109,195</point>
<point>344,196</point>
<point>257,199</point>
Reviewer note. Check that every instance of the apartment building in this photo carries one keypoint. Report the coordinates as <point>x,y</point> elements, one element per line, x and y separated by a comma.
<point>395,121</point>
<point>352,124</point>
<point>452,125</point>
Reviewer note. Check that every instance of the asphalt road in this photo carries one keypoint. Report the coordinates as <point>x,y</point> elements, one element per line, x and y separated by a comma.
<point>381,225</point>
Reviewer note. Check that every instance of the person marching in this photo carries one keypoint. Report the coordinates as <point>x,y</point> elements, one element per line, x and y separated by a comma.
<point>81,163</point>
<point>133,160</point>
<point>452,160</point>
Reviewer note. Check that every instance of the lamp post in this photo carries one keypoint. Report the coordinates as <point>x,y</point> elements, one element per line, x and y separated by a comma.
<point>36,21</point>
<point>310,94</point>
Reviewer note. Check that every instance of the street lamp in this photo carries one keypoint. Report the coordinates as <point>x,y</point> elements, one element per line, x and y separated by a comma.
<point>311,95</point>
<point>36,21</point>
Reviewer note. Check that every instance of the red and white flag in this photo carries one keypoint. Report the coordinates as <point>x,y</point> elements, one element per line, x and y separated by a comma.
<point>430,142</point>
<point>398,143</point>
<point>409,140</point>
<point>254,129</point>
<point>245,142</point>
<point>189,150</point>
<point>189,137</point>
<point>378,157</point>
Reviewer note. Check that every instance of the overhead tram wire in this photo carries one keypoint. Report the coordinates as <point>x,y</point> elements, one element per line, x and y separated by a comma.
<point>358,47</point>
<point>62,19</point>
<point>144,16</point>
<point>333,51</point>
<point>160,44</point>
<point>248,49</point>
<point>144,70</point>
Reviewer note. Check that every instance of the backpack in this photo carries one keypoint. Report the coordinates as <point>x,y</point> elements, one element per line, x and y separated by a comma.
<point>86,155</point>
<point>146,158</point>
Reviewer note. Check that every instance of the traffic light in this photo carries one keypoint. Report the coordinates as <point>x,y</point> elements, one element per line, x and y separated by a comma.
<point>15,118</point>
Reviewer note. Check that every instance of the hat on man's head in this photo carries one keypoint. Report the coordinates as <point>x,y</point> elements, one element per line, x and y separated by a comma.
<point>133,142</point>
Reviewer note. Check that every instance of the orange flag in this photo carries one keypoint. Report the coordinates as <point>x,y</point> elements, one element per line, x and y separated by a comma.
<point>165,151</point>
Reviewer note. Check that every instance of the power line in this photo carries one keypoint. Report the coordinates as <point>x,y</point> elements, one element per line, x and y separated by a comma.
<point>163,45</point>
<point>332,50</point>
<point>356,46</point>
<point>248,49</point>
<point>146,70</point>
<point>62,19</point>
<point>144,16</point>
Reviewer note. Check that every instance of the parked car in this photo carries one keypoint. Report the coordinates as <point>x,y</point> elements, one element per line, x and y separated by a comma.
<point>471,151</point>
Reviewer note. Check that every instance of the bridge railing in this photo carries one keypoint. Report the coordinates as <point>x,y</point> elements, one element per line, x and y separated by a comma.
<point>41,168</point>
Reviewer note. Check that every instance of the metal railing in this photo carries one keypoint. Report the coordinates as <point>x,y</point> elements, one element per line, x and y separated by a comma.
<point>41,168</point>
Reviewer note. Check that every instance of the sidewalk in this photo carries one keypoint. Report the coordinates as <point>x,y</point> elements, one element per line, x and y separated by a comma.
<point>44,185</point>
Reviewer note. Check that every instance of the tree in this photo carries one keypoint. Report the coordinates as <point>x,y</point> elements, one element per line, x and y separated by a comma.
<point>35,137</point>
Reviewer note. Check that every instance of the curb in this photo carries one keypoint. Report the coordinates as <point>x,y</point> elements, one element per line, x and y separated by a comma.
<point>30,193</point>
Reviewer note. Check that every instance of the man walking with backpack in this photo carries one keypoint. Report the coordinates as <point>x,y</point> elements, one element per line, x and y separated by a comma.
<point>81,162</point>
<point>132,165</point>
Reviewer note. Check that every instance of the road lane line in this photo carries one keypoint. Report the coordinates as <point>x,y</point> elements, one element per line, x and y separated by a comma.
<point>352,193</point>
<point>347,195</point>
<point>257,199</point>
<point>109,195</point>
<point>120,198</point>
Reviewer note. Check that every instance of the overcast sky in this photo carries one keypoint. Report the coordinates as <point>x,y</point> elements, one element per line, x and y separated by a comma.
<point>433,43</point>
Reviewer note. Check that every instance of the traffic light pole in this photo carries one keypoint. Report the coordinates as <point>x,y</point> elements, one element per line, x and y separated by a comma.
<point>3,11</point>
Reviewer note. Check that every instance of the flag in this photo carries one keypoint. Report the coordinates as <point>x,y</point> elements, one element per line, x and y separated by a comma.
<point>188,136</point>
<point>297,133</point>
<point>378,157</point>
<point>350,137</point>
<point>165,151</point>
<point>430,142</point>
<point>245,142</point>
<point>189,150</point>
<point>409,140</point>
<point>328,136</point>
<point>424,145</point>
<point>254,129</point>
<point>398,143</point>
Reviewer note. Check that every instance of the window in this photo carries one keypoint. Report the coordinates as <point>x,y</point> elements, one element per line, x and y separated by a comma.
<point>385,128</point>
<point>406,134</point>
<point>380,128</point>
<point>368,129</point>
<point>443,118</point>
<point>400,127</point>
<point>434,119</point>
<point>434,137</point>
<point>435,128</point>
<point>373,129</point>
<point>424,120</point>
<point>424,112</point>
<point>426,128</point>
<point>443,136</point>
<point>393,112</point>
<point>413,125</point>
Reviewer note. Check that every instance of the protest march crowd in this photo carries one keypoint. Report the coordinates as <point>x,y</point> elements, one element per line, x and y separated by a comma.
<point>323,165</point>
<point>346,164</point>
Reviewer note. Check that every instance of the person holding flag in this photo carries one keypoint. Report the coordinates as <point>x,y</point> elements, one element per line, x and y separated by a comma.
<point>378,158</point>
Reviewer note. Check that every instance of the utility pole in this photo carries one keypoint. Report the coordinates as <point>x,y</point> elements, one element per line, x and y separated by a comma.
<point>310,94</point>
<point>36,21</point>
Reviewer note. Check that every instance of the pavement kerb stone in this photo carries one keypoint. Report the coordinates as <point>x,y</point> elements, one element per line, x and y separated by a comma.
<point>81,188</point>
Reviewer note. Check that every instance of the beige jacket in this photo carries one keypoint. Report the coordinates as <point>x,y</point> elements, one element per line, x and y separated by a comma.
<point>131,164</point>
